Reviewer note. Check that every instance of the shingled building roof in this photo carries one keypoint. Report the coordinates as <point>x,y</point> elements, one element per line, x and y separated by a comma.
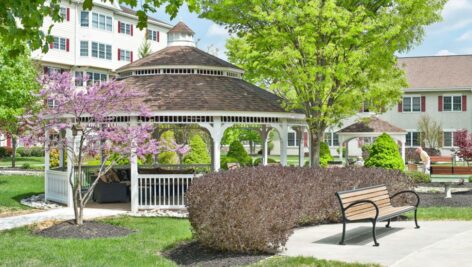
<point>179,55</point>
<point>203,93</point>
<point>181,28</point>
<point>371,125</point>
<point>130,11</point>
<point>442,72</point>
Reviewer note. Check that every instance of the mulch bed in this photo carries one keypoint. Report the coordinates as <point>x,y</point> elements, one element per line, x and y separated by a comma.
<point>194,254</point>
<point>88,230</point>
<point>459,199</point>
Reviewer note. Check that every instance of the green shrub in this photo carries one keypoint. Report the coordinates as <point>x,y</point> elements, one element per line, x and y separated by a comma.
<point>54,158</point>
<point>419,177</point>
<point>20,151</point>
<point>37,151</point>
<point>237,151</point>
<point>325,154</point>
<point>384,154</point>
<point>199,152</point>
<point>224,160</point>
<point>168,157</point>
<point>5,152</point>
<point>256,209</point>
<point>258,161</point>
<point>25,166</point>
<point>470,179</point>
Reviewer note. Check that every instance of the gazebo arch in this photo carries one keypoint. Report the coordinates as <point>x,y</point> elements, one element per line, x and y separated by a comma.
<point>370,127</point>
<point>183,85</point>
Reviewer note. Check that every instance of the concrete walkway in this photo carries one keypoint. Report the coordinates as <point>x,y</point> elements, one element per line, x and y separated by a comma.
<point>54,214</point>
<point>438,243</point>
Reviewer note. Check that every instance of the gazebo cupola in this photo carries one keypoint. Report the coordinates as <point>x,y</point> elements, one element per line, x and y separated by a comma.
<point>180,35</point>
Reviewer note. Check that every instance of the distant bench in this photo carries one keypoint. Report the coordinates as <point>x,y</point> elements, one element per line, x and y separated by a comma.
<point>372,204</point>
<point>441,159</point>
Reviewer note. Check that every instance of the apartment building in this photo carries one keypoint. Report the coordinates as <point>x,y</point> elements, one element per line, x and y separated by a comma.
<point>99,41</point>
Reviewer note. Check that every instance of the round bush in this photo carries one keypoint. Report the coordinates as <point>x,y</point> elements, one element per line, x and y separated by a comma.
<point>256,209</point>
<point>237,151</point>
<point>37,151</point>
<point>384,154</point>
<point>199,153</point>
<point>325,154</point>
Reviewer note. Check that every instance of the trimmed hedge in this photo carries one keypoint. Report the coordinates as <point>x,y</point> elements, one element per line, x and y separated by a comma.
<point>237,151</point>
<point>258,161</point>
<point>5,151</point>
<point>256,209</point>
<point>384,153</point>
<point>35,151</point>
<point>419,177</point>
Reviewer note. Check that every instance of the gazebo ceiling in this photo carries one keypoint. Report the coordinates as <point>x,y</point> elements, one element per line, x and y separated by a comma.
<point>371,125</point>
<point>203,93</point>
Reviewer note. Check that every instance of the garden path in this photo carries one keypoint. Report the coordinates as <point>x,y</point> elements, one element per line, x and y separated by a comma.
<point>437,243</point>
<point>54,214</point>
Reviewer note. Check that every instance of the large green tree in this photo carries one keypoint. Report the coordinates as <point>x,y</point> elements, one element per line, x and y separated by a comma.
<point>325,57</point>
<point>22,21</point>
<point>17,86</point>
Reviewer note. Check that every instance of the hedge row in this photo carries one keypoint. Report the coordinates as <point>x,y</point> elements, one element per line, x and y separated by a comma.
<point>255,209</point>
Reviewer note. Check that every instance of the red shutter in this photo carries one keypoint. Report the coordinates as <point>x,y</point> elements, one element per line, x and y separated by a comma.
<point>119,26</point>
<point>67,44</point>
<point>131,56</point>
<point>46,70</point>
<point>68,14</point>
<point>157,37</point>
<point>440,103</point>
<point>119,54</point>
<point>305,139</point>
<point>131,29</point>
<point>423,103</point>
<point>464,103</point>
<point>400,106</point>
<point>8,140</point>
<point>51,44</point>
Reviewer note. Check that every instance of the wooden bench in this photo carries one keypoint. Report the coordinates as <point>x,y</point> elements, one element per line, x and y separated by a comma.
<point>233,165</point>
<point>372,204</point>
<point>441,159</point>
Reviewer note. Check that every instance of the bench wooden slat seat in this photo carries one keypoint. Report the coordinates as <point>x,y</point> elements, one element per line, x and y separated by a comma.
<point>372,204</point>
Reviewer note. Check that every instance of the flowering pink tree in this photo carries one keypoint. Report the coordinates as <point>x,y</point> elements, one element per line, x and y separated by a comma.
<point>87,116</point>
<point>463,140</point>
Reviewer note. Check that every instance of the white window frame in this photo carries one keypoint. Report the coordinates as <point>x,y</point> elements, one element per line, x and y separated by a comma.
<point>59,43</point>
<point>91,75</point>
<point>83,22</point>
<point>125,28</point>
<point>86,51</point>
<point>452,102</point>
<point>63,12</point>
<point>103,51</point>
<point>101,22</point>
<point>410,132</point>
<point>153,34</point>
<point>330,141</point>
<point>125,55</point>
<point>411,103</point>
<point>452,131</point>
<point>296,141</point>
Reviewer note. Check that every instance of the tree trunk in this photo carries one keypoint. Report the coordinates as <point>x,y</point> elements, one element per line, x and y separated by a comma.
<point>316,139</point>
<point>13,154</point>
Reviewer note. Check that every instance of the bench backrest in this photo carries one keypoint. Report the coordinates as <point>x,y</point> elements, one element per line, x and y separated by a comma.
<point>233,165</point>
<point>378,194</point>
<point>440,159</point>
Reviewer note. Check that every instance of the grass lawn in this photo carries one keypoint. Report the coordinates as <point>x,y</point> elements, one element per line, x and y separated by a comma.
<point>443,213</point>
<point>32,161</point>
<point>280,261</point>
<point>13,188</point>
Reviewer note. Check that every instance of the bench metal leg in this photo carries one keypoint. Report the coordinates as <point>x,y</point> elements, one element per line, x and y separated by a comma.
<point>388,224</point>
<point>373,234</point>
<point>416,220</point>
<point>344,233</point>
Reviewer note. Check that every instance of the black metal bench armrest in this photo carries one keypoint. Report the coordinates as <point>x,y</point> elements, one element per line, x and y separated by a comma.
<point>408,192</point>
<point>360,202</point>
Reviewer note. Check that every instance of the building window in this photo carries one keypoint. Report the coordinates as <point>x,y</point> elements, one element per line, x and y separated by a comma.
<point>412,104</point>
<point>412,139</point>
<point>102,22</point>
<point>331,139</point>
<point>124,55</point>
<point>51,103</point>
<point>449,139</point>
<point>79,78</point>
<point>63,13</point>
<point>84,18</point>
<point>292,139</point>
<point>94,77</point>
<point>153,35</point>
<point>100,50</point>
<point>59,43</point>
<point>84,48</point>
<point>125,28</point>
<point>452,103</point>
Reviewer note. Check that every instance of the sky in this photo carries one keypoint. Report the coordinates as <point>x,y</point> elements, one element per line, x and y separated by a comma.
<point>451,36</point>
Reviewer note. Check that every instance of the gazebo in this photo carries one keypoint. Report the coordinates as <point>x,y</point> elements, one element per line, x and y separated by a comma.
<point>183,85</point>
<point>370,127</point>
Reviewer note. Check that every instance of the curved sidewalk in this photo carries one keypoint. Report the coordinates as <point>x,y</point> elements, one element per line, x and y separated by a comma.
<point>54,214</point>
<point>437,243</point>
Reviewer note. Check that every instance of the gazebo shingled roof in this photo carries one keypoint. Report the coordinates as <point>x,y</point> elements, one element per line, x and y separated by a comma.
<point>181,28</point>
<point>371,125</point>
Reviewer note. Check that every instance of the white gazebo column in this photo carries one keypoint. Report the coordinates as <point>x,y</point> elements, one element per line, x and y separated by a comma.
<point>300,130</point>
<point>46,165</point>
<point>403,141</point>
<point>216,133</point>
<point>265,139</point>
<point>284,143</point>
<point>134,173</point>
